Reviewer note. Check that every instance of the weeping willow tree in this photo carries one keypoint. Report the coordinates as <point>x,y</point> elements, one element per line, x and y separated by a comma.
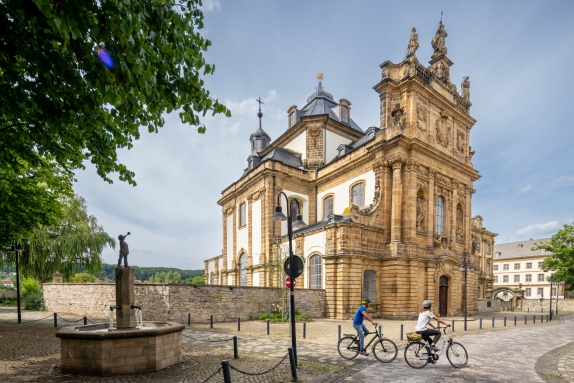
<point>76,241</point>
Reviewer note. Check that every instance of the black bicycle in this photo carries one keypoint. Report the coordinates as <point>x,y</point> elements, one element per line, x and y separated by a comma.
<point>384,349</point>
<point>418,352</point>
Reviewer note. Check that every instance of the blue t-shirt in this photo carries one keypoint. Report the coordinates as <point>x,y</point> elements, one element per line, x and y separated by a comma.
<point>359,315</point>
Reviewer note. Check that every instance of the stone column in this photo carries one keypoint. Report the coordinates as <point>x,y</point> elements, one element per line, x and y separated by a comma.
<point>430,209</point>
<point>125,316</point>
<point>396,201</point>
<point>409,223</point>
<point>453,214</point>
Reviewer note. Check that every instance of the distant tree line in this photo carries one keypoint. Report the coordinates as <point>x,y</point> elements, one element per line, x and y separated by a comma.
<point>151,274</point>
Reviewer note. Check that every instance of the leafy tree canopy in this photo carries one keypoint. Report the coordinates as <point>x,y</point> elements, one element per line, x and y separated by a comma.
<point>82,278</point>
<point>76,240</point>
<point>197,280</point>
<point>79,78</point>
<point>561,245</point>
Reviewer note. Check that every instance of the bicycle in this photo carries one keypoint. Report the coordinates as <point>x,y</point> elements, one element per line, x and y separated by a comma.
<point>384,349</point>
<point>416,357</point>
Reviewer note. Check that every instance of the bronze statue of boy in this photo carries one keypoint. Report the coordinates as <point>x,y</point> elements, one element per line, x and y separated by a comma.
<point>124,250</point>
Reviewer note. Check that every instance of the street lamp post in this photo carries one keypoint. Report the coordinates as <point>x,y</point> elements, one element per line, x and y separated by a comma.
<point>465,266</point>
<point>17,249</point>
<point>551,282</point>
<point>557,292</point>
<point>279,216</point>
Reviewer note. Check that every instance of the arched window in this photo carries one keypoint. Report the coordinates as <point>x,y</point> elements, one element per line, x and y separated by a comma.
<point>327,206</point>
<point>358,194</point>
<point>370,285</point>
<point>315,272</point>
<point>439,215</point>
<point>293,209</point>
<point>242,270</point>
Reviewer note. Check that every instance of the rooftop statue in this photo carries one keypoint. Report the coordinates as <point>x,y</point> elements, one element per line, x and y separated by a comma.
<point>438,41</point>
<point>124,250</point>
<point>413,43</point>
<point>465,88</point>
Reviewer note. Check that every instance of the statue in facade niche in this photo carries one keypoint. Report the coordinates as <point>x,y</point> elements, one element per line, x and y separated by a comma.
<point>459,220</point>
<point>413,43</point>
<point>124,250</point>
<point>421,213</point>
<point>438,41</point>
<point>465,88</point>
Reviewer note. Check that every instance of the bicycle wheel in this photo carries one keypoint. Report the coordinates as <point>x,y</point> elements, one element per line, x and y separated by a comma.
<point>416,355</point>
<point>385,350</point>
<point>457,355</point>
<point>348,347</point>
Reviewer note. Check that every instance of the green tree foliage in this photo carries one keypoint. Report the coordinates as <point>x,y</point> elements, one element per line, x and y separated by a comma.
<point>82,278</point>
<point>197,280</point>
<point>76,240</point>
<point>561,245</point>
<point>163,277</point>
<point>58,97</point>
<point>144,273</point>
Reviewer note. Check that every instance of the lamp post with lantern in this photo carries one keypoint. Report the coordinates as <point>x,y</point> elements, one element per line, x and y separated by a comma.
<point>279,216</point>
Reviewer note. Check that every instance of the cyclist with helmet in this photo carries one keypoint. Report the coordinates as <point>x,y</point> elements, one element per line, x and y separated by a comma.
<point>360,327</point>
<point>425,316</point>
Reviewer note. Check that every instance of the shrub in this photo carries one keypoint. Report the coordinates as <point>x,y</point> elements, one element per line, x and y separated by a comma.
<point>82,278</point>
<point>30,286</point>
<point>8,301</point>
<point>35,301</point>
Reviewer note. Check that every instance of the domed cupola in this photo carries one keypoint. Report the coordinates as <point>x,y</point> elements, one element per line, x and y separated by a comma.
<point>259,140</point>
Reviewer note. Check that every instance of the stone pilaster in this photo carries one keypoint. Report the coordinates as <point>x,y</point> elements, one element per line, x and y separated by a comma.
<point>396,165</point>
<point>431,207</point>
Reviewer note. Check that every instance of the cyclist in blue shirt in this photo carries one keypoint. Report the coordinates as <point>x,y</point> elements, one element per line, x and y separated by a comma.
<point>360,327</point>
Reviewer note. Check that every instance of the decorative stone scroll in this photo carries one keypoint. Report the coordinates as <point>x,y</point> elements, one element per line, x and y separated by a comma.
<point>314,134</point>
<point>229,211</point>
<point>258,194</point>
<point>422,116</point>
<point>443,241</point>
<point>443,129</point>
<point>396,161</point>
<point>398,115</point>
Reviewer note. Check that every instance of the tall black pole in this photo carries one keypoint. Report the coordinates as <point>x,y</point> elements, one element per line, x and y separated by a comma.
<point>465,289</point>
<point>551,282</point>
<point>18,287</point>
<point>292,285</point>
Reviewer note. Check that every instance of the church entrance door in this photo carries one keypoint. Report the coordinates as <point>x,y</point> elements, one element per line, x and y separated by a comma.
<point>443,296</point>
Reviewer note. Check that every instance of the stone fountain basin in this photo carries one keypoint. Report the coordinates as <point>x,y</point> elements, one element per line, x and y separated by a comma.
<point>92,350</point>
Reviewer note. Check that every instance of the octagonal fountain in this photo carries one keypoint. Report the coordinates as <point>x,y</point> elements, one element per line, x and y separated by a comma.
<point>102,350</point>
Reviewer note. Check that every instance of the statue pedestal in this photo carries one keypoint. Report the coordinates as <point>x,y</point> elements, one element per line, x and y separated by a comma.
<point>125,316</point>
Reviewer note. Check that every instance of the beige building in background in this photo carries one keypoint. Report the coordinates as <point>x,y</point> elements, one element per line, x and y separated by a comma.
<point>515,263</point>
<point>388,207</point>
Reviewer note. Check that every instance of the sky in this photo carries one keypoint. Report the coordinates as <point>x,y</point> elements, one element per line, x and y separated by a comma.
<point>518,56</point>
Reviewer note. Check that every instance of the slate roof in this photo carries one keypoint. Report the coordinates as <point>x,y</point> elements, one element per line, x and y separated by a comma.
<point>513,250</point>
<point>286,156</point>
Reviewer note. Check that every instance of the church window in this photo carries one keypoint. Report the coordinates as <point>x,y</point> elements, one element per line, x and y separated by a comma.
<point>528,292</point>
<point>517,278</point>
<point>528,277</point>
<point>242,215</point>
<point>439,215</point>
<point>243,270</point>
<point>327,206</point>
<point>488,249</point>
<point>370,285</point>
<point>294,210</point>
<point>315,272</point>
<point>292,119</point>
<point>487,267</point>
<point>345,114</point>
<point>358,194</point>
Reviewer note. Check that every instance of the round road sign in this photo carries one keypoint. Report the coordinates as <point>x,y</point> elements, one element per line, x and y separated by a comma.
<point>298,266</point>
<point>288,283</point>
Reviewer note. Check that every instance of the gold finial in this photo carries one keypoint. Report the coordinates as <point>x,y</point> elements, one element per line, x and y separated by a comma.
<point>320,76</point>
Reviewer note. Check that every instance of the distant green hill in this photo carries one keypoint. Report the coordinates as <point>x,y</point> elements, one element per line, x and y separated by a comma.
<point>144,273</point>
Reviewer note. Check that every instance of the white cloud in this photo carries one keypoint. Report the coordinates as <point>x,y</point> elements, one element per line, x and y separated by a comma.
<point>210,6</point>
<point>539,229</point>
<point>563,180</point>
<point>526,188</point>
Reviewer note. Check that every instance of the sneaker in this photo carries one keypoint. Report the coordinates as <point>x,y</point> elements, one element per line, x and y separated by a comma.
<point>434,348</point>
<point>364,352</point>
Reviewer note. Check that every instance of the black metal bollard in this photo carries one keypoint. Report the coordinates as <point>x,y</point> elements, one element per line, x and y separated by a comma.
<point>401,332</point>
<point>492,321</point>
<point>534,319</point>
<point>293,364</point>
<point>525,320</point>
<point>546,318</point>
<point>304,330</point>
<point>339,334</point>
<point>226,371</point>
<point>239,324</point>
<point>452,325</point>
<point>55,319</point>
<point>235,353</point>
<point>189,319</point>
<point>480,324</point>
<point>211,321</point>
<point>267,326</point>
<point>515,320</point>
<point>504,321</point>
<point>528,310</point>
<point>85,321</point>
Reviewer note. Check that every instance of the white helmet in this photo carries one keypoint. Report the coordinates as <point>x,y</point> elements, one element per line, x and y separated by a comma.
<point>427,304</point>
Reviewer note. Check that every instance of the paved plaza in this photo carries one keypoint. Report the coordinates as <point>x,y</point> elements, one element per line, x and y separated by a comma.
<point>541,352</point>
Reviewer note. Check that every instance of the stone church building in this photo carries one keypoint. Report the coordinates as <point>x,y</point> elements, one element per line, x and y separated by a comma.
<point>388,207</point>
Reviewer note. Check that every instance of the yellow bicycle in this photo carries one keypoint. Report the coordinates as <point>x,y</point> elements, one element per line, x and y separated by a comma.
<point>418,352</point>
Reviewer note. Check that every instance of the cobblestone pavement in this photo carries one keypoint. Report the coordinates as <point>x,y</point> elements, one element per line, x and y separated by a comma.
<point>527,353</point>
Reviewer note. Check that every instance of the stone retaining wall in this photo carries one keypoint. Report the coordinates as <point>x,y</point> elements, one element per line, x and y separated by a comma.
<point>172,302</point>
<point>492,305</point>
<point>8,293</point>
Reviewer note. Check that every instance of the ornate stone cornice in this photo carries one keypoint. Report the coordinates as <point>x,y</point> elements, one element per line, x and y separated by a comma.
<point>396,161</point>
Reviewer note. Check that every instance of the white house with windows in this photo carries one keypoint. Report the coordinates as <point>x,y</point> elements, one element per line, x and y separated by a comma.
<point>516,264</point>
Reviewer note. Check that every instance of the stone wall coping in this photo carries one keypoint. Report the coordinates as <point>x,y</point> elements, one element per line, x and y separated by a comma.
<point>231,287</point>
<point>72,333</point>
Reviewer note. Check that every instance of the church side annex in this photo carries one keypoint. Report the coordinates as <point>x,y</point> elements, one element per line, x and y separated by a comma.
<point>388,208</point>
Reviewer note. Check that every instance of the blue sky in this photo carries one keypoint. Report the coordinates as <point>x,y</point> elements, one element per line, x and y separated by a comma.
<point>518,56</point>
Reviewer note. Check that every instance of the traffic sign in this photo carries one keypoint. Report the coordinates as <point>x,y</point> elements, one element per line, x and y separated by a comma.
<point>298,266</point>
<point>288,283</point>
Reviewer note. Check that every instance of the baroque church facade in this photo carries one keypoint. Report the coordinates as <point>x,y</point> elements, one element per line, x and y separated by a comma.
<point>388,208</point>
